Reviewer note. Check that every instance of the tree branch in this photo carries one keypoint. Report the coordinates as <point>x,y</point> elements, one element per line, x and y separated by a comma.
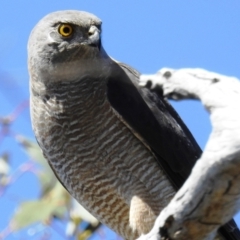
<point>211,195</point>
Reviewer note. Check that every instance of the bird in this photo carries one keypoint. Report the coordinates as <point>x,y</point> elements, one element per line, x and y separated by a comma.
<point>120,150</point>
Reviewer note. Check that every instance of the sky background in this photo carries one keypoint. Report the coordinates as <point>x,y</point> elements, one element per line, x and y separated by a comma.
<point>147,35</point>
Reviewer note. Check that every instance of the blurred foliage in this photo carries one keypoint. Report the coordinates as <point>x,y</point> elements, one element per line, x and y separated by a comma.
<point>54,201</point>
<point>4,169</point>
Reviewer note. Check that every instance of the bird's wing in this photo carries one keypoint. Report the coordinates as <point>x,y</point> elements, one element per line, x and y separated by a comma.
<point>152,119</point>
<point>155,122</point>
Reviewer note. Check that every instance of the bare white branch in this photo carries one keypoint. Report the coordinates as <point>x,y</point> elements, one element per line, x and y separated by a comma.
<point>211,195</point>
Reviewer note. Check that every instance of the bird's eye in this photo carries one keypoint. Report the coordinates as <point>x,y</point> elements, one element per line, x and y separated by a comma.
<point>65,30</point>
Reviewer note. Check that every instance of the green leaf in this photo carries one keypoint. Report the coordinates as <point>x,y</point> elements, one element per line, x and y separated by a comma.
<point>4,169</point>
<point>46,176</point>
<point>4,164</point>
<point>47,182</point>
<point>33,150</point>
<point>43,210</point>
<point>32,212</point>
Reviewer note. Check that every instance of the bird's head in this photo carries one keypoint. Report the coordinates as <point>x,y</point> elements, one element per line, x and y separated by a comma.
<point>65,45</point>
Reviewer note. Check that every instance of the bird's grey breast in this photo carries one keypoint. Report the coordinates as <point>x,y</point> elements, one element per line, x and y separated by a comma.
<point>91,148</point>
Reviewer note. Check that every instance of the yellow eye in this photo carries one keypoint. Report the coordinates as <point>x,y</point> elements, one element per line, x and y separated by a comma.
<point>65,30</point>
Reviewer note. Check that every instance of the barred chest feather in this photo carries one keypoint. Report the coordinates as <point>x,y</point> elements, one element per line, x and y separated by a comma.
<point>97,157</point>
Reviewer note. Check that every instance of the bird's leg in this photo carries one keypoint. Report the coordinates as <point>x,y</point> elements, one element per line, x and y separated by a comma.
<point>141,216</point>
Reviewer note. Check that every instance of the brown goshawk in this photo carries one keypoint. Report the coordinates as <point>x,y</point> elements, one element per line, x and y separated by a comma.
<point>120,150</point>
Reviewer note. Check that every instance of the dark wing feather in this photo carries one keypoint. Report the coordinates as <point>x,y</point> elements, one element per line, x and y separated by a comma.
<point>150,116</point>
<point>157,123</point>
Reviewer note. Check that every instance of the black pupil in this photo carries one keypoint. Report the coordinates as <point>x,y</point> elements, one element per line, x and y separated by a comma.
<point>66,29</point>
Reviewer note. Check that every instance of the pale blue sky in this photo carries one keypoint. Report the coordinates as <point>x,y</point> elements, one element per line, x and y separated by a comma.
<point>148,35</point>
